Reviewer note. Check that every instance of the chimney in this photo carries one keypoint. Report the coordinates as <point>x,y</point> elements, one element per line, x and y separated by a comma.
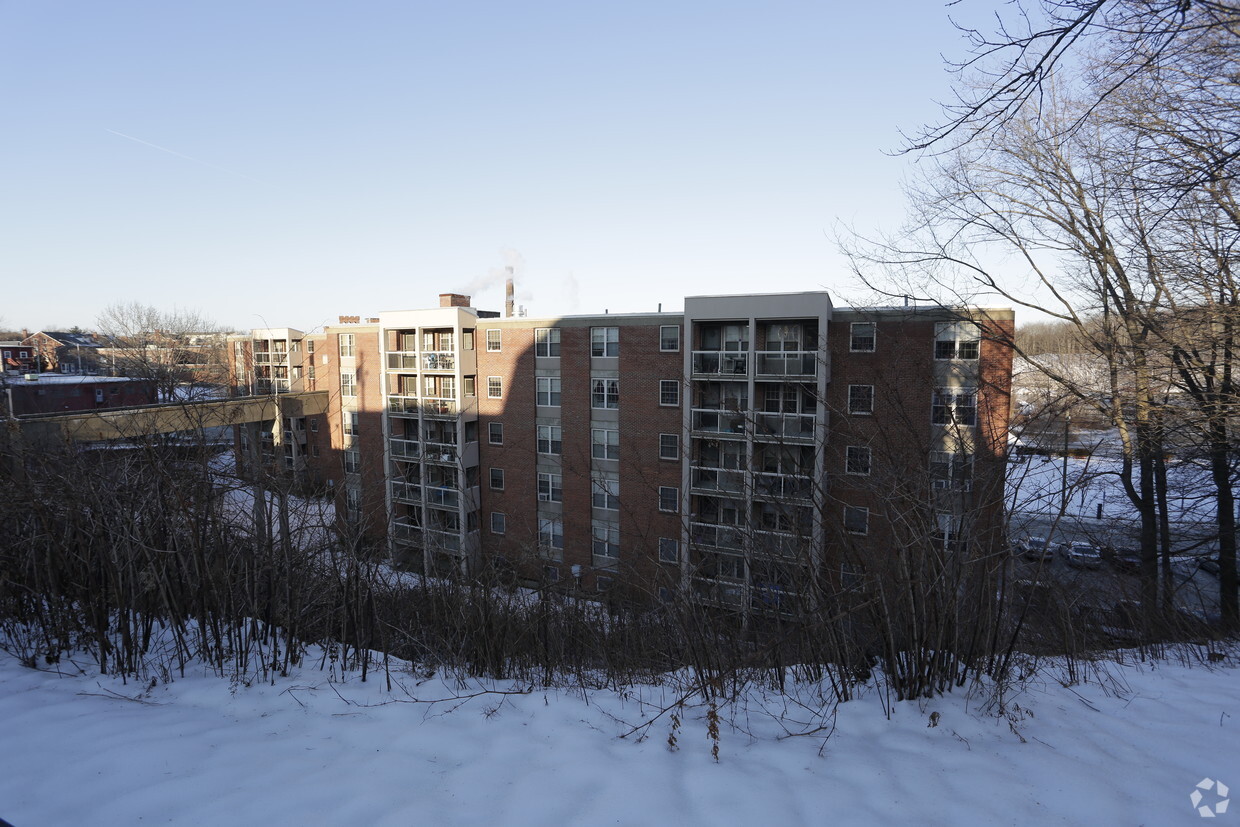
<point>508,302</point>
<point>453,300</point>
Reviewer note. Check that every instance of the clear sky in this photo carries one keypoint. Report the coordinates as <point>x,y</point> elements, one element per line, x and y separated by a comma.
<point>283,163</point>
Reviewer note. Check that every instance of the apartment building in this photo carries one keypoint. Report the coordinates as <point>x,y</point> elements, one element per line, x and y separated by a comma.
<point>733,451</point>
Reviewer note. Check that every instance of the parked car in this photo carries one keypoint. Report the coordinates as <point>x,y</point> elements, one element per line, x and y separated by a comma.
<point>1082,555</point>
<point>1125,559</point>
<point>1037,548</point>
<point>1209,565</point>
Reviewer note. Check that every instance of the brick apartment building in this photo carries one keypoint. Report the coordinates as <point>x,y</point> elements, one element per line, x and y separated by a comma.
<point>732,450</point>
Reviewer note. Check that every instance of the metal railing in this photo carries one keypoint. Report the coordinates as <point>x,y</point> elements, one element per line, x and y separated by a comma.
<point>717,479</point>
<point>718,422</point>
<point>406,492</point>
<point>404,448</point>
<point>784,426</point>
<point>439,360</point>
<point>402,360</point>
<point>799,363</point>
<point>407,405</point>
<point>783,486</point>
<point>720,362</point>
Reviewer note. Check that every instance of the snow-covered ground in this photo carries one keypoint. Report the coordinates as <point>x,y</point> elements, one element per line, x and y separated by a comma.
<point>1127,749</point>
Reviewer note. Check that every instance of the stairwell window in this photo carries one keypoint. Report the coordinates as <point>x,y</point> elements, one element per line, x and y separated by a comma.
<point>954,406</point>
<point>346,344</point>
<point>604,341</point>
<point>957,340</point>
<point>605,393</point>
<point>348,383</point>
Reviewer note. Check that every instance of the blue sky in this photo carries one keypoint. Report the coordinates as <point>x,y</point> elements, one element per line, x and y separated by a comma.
<point>285,163</point>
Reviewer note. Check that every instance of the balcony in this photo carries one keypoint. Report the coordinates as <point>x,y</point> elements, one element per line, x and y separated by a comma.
<point>783,486</point>
<point>404,492</point>
<point>441,452</point>
<point>777,426</point>
<point>262,386</point>
<point>405,449</point>
<point>718,479</point>
<point>443,496</point>
<point>717,536</point>
<point>402,360</point>
<point>800,364</point>
<point>439,360</point>
<point>403,405</point>
<point>719,593</point>
<point>778,544</point>
<point>443,540</point>
<point>406,533</point>
<point>440,407</point>
<point>718,422</point>
<point>720,363</point>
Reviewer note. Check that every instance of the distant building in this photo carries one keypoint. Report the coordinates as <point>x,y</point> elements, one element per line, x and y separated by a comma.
<point>731,452</point>
<point>16,357</point>
<point>49,393</point>
<point>58,351</point>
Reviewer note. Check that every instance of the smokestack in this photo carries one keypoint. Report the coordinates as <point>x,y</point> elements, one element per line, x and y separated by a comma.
<point>508,293</point>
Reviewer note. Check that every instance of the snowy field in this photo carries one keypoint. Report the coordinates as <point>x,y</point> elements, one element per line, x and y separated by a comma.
<point>1128,747</point>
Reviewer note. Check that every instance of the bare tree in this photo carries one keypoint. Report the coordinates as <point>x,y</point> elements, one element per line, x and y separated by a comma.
<point>172,349</point>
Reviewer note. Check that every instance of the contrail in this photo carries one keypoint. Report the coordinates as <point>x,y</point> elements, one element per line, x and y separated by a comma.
<point>186,157</point>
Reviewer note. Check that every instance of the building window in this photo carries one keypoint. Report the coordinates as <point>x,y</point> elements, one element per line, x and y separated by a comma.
<point>605,493</point>
<point>950,532</point>
<point>353,503</point>
<point>856,519</point>
<point>861,399</point>
<point>551,538</point>
<point>549,439</point>
<point>604,341</point>
<point>861,337</point>
<point>669,550</point>
<point>495,387</point>
<point>493,340</point>
<point>310,372</point>
<point>669,392</point>
<point>348,383</point>
<point>606,545</point>
<point>547,341</point>
<point>346,344</point>
<point>314,424</point>
<point>669,338</point>
<point>604,444</point>
<point>547,391</point>
<point>497,479</point>
<point>669,446</point>
<point>669,498</point>
<point>604,393</point>
<point>495,433</point>
<point>550,488</point>
<point>350,422</point>
<point>499,522</point>
<point>310,346</point>
<point>951,471</point>
<point>957,340</point>
<point>954,407</point>
<point>857,460</point>
<point>352,462</point>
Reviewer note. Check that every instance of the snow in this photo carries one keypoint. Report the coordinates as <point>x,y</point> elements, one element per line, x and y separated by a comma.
<point>1128,746</point>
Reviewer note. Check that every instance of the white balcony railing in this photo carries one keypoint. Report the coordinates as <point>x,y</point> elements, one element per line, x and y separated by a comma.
<point>406,405</point>
<point>798,363</point>
<point>783,486</point>
<point>402,360</point>
<point>439,360</point>
<point>405,492</point>
<point>720,363</point>
<point>717,536</point>
<point>784,426</point>
<point>718,422</point>
<point>718,479</point>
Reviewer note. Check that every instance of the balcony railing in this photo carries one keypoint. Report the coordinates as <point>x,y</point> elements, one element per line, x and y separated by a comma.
<point>443,496</point>
<point>407,533</point>
<point>405,492</point>
<point>799,363</point>
<point>402,360</point>
<point>783,486</point>
<point>785,426</point>
<point>439,407</point>
<point>778,544</point>
<point>718,422</point>
<point>717,536</point>
<point>440,452</point>
<point>439,360</point>
<point>271,386</point>
<point>719,592</point>
<point>718,479</point>
<point>405,405</point>
<point>405,448</point>
<point>443,540</point>
<point>720,362</point>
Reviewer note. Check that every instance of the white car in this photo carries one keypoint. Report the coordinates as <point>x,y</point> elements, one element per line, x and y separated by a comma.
<point>1083,555</point>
